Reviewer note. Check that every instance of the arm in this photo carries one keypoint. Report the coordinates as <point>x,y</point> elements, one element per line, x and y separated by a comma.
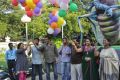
<point>6,55</point>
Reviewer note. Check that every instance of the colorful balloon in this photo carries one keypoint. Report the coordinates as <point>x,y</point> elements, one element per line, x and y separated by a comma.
<point>27,8</point>
<point>60,21</point>
<point>50,31</point>
<point>14,2</point>
<point>65,1</point>
<point>49,22</point>
<point>52,1</point>
<point>36,1</point>
<point>29,13</point>
<point>50,15</point>
<point>24,4</point>
<point>73,7</point>
<point>56,31</point>
<point>54,12</point>
<point>54,25</point>
<point>54,18</point>
<point>37,10</point>
<point>30,4</point>
<point>39,4</point>
<point>63,6</point>
<point>62,13</point>
<point>21,1</point>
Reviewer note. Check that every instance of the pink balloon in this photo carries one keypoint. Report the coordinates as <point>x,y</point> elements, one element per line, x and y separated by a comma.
<point>65,1</point>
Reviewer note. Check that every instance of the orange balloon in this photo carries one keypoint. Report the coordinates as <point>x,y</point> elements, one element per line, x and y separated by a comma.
<point>54,12</point>
<point>27,8</point>
<point>54,25</point>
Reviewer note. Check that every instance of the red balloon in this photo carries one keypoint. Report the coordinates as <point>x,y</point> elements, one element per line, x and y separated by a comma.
<point>27,8</point>
<point>29,13</point>
<point>23,4</point>
<point>36,1</point>
<point>14,2</point>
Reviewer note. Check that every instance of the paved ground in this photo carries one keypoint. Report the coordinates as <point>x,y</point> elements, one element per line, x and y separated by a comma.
<point>44,77</point>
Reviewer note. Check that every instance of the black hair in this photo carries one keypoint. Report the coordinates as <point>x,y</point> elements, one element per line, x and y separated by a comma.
<point>37,39</point>
<point>18,46</point>
<point>10,44</point>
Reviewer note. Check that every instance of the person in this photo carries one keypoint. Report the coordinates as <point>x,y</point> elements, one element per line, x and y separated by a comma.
<point>89,65</point>
<point>65,53</point>
<point>109,62</point>
<point>11,60</point>
<point>21,61</point>
<point>51,55</point>
<point>76,59</point>
<point>36,59</point>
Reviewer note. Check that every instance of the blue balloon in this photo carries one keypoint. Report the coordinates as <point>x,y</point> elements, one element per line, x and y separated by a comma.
<point>49,22</point>
<point>21,1</point>
<point>54,18</point>
<point>39,4</point>
<point>37,10</point>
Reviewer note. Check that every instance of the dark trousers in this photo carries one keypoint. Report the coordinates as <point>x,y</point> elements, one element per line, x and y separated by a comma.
<point>11,68</point>
<point>36,68</point>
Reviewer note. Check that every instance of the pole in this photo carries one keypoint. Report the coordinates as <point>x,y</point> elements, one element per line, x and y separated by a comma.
<point>26,31</point>
<point>62,32</point>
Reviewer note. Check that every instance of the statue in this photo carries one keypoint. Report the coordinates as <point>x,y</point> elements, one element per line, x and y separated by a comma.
<point>105,19</point>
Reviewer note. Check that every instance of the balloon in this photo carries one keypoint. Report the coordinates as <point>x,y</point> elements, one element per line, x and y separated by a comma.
<point>39,5</point>
<point>37,14</point>
<point>37,10</point>
<point>21,1</point>
<point>50,15</point>
<point>56,31</point>
<point>36,1</point>
<point>50,31</point>
<point>54,25</point>
<point>60,21</point>
<point>54,18</point>
<point>73,7</point>
<point>49,22</point>
<point>62,13</point>
<point>65,1</point>
<point>27,8</point>
<point>24,4</point>
<point>30,4</point>
<point>64,23</point>
<point>54,12</point>
<point>63,6</point>
<point>29,13</point>
<point>14,2</point>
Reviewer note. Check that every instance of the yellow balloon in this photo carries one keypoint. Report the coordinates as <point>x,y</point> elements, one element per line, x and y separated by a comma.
<point>30,4</point>
<point>60,21</point>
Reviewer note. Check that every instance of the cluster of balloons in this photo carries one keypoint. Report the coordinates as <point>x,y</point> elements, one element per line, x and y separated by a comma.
<point>55,23</point>
<point>64,6</point>
<point>32,7</point>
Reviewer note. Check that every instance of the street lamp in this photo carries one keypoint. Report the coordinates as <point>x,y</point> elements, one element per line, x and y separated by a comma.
<point>25,19</point>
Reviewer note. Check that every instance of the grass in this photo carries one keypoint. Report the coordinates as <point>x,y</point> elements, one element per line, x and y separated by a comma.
<point>3,64</point>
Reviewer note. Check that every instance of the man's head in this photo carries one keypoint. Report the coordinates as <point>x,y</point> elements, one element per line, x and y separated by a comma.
<point>65,40</point>
<point>36,41</point>
<point>10,45</point>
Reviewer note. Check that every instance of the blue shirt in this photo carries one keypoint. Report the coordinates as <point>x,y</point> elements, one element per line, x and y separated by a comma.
<point>36,55</point>
<point>10,54</point>
<point>65,55</point>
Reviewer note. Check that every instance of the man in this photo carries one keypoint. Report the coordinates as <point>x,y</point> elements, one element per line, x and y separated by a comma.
<point>36,59</point>
<point>50,54</point>
<point>65,53</point>
<point>11,60</point>
<point>76,59</point>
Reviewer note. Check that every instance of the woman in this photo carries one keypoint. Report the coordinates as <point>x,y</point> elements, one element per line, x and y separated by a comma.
<point>89,66</point>
<point>109,63</point>
<point>21,61</point>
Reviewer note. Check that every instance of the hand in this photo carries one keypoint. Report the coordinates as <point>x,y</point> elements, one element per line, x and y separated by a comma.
<point>73,44</point>
<point>87,58</point>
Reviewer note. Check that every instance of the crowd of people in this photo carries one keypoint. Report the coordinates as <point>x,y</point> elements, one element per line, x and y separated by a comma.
<point>78,62</point>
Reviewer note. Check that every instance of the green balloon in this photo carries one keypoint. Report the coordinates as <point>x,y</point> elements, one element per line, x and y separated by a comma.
<point>73,7</point>
<point>62,13</point>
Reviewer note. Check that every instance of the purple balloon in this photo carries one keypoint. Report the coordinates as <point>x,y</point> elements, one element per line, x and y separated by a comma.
<point>54,18</point>
<point>56,31</point>
<point>50,15</point>
<point>37,10</point>
<point>39,4</point>
<point>49,22</point>
<point>21,1</point>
